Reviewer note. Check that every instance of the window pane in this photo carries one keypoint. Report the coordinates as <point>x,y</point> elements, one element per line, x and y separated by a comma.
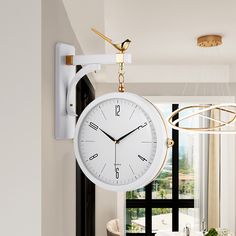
<point>186,172</point>
<point>189,216</point>
<point>135,220</point>
<point>161,219</point>
<point>136,194</point>
<point>186,166</point>
<point>188,154</point>
<point>162,185</point>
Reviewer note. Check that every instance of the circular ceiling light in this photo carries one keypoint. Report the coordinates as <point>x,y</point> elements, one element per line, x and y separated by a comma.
<point>207,41</point>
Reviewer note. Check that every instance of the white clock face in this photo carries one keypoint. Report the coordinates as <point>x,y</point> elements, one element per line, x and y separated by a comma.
<point>117,143</point>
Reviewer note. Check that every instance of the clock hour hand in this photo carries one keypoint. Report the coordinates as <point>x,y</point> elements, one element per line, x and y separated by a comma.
<point>109,136</point>
<point>140,126</point>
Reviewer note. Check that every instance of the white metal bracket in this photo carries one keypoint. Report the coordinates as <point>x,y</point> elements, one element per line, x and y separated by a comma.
<point>64,124</point>
<point>70,106</point>
<point>66,80</point>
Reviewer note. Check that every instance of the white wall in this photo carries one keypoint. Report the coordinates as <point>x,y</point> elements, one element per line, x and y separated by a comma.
<point>172,89</point>
<point>83,15</point>
<point>20,126</point>
<point>106,209</point>
<point>58,162</point>
<point>184,73</point>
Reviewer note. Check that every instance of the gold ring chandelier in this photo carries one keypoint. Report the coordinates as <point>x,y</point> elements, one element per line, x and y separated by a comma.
<point>216,119</point>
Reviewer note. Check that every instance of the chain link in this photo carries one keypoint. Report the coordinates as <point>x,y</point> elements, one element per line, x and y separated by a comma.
<point>121,78</point>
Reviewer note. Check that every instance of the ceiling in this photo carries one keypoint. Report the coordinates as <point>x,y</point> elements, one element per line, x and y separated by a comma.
<point>163,32</point>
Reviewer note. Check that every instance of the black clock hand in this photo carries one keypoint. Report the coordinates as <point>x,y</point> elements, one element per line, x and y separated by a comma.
<point>126,135</point>
<point>140,126</point>
<point>109,136</point>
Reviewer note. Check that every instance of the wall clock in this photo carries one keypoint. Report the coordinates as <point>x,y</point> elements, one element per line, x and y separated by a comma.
<point>121,141</point>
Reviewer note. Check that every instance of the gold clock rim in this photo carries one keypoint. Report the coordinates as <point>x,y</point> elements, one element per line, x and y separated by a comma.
<point>167,140</point>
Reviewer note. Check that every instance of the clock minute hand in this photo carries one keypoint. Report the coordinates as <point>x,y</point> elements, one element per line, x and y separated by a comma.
<point>140,126</point>
<point>109,136</point>
<point>126,135</point>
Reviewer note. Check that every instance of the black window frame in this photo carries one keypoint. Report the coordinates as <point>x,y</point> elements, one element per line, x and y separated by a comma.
<point>85,189</point>
<point>175,203</point>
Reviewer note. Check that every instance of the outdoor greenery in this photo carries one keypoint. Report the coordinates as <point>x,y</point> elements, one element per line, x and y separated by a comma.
<point>158,211</point>
<point>136,194</point>
<point>186,187</point>
<point>133,214</point>
<point>184,165</point>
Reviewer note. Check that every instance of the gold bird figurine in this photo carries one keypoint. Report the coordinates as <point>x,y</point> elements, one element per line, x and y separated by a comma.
<point>122,47</point>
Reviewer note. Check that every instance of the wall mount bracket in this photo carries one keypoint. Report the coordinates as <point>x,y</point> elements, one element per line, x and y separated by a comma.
<point>66,80</point>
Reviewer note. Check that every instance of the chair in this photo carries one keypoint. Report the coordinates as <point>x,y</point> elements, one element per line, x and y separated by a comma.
<point>113,228</point>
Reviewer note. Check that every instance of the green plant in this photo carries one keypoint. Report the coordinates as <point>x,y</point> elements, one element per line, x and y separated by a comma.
<point>212,232</point>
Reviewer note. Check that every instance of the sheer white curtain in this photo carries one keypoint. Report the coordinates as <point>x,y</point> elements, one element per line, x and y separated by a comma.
<point>209,177</point>
<point>214,176</point>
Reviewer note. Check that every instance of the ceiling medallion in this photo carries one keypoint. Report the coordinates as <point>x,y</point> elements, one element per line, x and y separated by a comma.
<point>211,40</point>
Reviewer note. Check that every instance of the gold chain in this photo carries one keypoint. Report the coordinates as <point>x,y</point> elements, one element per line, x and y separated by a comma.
<point>121,77</point>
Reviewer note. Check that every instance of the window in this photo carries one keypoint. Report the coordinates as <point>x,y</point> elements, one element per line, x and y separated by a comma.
<point>168,202</point>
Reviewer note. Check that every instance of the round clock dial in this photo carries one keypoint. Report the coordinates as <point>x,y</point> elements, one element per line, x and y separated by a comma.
<point>120,141</point>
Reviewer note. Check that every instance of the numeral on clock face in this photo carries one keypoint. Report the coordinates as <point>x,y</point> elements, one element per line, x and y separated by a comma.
<point>117,173</point>
<point>117,110</point>
<point>92,157</point>
<point>142,126</point>
<point>93,126</point>
<point>142,158</point>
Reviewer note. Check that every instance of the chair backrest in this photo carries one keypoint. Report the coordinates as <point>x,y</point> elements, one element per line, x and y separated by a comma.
<point>113,228</point>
